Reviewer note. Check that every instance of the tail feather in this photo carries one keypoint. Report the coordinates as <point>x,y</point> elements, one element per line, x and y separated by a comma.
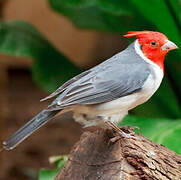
<point>28,129</point>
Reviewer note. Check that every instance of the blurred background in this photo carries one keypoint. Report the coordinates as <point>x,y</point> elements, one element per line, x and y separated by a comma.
<point>44,43</point>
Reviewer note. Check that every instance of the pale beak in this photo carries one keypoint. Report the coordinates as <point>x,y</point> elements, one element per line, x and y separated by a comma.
<point>169,45</point>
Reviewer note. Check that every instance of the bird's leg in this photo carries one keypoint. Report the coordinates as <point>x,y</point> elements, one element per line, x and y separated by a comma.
<point>120,132</point>
<point>129,128</point>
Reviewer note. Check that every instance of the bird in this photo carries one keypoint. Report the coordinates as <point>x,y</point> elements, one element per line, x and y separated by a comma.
<point>106,92</point>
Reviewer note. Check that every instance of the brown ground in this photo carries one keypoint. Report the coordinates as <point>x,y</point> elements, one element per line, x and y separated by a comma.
<point>55,138</point>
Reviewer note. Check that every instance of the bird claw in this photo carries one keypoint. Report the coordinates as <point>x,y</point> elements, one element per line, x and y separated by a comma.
<point>120,132</point>
<point>115,139</point>
<point>129,128</point>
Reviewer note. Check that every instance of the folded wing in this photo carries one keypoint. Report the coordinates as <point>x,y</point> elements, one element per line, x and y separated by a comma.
<point>104,85</point>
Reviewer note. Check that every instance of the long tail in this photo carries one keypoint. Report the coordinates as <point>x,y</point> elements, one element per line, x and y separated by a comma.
<point>25,131</point>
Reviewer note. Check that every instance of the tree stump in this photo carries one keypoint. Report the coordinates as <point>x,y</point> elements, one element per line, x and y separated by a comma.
<point>96,157</point>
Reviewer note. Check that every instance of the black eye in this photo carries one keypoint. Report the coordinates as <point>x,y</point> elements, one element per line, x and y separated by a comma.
<point>153,43</point>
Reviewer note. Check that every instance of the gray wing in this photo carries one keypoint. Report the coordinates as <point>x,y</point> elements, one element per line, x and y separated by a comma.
<point>105,83</point>
<point>65,85</point>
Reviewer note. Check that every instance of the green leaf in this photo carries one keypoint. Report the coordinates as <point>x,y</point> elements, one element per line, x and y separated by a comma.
<point>58,160</point>
<point>50,68</point>
<point>176,9</point>
<point>47,174</point>
<point>111,16</point>
<point>170,136</point>
<point>114,7</point>
<point>162,131</point>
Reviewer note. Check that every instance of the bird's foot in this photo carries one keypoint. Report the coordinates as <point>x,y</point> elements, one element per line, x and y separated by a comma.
<point>121,133</point>
<point>129,128</point>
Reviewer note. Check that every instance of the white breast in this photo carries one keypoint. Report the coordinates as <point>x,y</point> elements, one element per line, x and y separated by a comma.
<point>129,102</point>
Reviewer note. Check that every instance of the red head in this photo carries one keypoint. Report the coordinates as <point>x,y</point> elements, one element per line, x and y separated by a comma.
<point>154,45</point>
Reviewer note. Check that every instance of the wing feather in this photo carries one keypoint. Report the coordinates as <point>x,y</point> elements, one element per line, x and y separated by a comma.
<point>65,85</point>
<point>103,86</point>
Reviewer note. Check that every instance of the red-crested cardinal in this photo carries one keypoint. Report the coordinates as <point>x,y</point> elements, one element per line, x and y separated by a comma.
<point>106,92</point>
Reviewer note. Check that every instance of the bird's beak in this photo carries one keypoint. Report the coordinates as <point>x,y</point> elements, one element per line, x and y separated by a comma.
<point>169,45</point>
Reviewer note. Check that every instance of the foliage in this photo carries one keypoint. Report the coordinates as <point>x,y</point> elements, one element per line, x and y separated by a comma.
<point>21,39</point>
<point>48,174</point>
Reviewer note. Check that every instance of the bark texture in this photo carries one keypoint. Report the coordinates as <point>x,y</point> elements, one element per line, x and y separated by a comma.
<point>96,157</point>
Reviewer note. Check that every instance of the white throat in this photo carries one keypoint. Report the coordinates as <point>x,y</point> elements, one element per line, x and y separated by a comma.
<point>140,53</point>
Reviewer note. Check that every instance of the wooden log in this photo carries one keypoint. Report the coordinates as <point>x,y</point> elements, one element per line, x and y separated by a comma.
<point>96,157</point>
<point>3,83</point>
